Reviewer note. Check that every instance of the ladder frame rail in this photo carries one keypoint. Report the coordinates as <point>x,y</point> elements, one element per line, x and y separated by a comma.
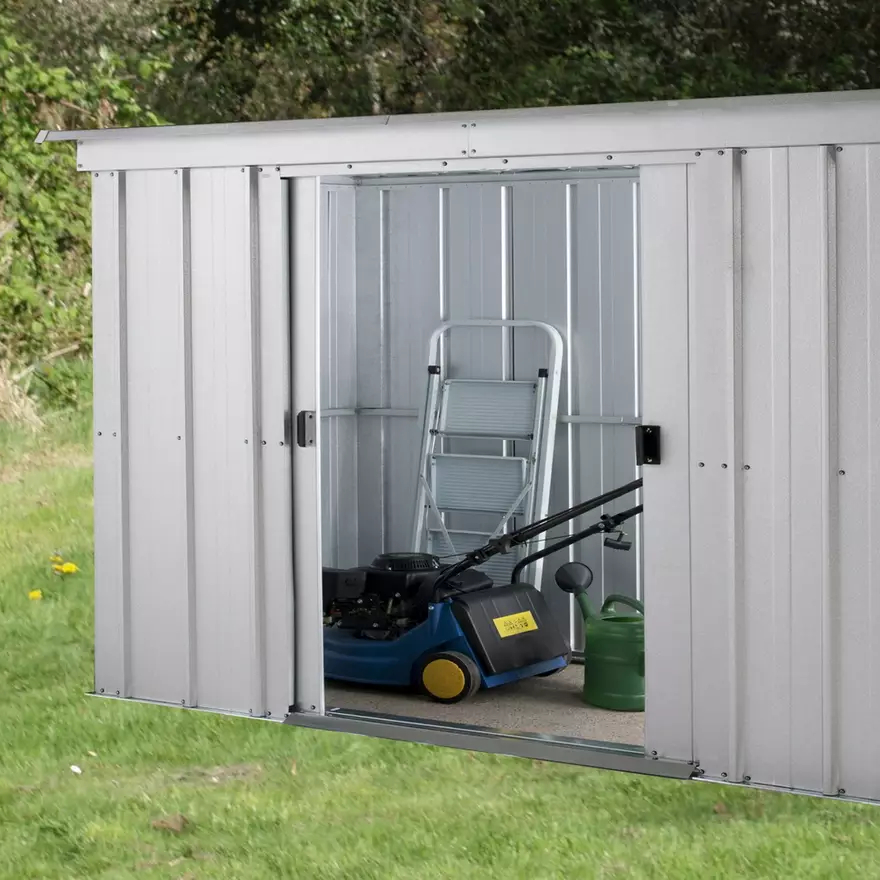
<point>546,418</point>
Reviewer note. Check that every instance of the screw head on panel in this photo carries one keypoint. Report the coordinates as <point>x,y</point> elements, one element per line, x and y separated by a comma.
<point>504,161</point>
<point>183,702</point>
<point>473,151</point>
<point>281,443</point>
<point>841,473</point>
<point>701,464</point>
<point>348,167</point>
<point>444,163</point>
<point>724,467</point>
<point>841,791</point>
<point>473,125</point>
<point>464,152</point>
<point>654,754</point>
<point>117,693</point>
<point>698,153</point>
<point>100,433</point>
<point>840,149</point>
<point>245,442</point>
<point>609,158</point>
<point>721,152</point>
<point>724,776</point>
<point>277,167</point>
<point>312,708</point>
<point>747,467</point>
<point>102,690</point>
<point>178,436</point>
<point>747,779</point>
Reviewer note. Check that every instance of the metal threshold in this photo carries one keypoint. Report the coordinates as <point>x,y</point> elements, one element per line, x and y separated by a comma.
<point>562,750</point>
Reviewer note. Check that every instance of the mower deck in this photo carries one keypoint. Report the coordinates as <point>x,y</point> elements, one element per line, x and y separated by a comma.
<point>536,705</point>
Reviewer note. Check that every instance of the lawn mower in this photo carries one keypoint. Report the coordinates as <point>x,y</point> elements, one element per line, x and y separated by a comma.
<point>409,620</point>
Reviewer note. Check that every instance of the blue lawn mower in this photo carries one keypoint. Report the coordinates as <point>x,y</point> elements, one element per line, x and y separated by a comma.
<point>447,630</point>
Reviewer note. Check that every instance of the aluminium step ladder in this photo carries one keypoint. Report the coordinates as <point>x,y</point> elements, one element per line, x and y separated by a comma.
<point>457,489</point>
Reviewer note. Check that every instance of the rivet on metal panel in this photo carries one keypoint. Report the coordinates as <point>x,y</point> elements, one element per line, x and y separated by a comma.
<point>114,433</point>
<point>183,702</point>
<point>312,708</point>
<point>724,467</point>
<point>277,167</point>
<point>102,690</point>
<point>348,167</point>
<point>464,152</point>
<point>698,153</point>
<point>841,473</point>
<point>840,149</point>
<point>473,125</point>
<point>176,171</point>
<point>264,443</point>
<point>268,714</point>
<point>464,125</point>
<point>743,152</point>
<point>178,436</point>
<point>96,174</point>
<point>242,170</point>
<point>701,464</point>
<point>444,164</point>
<point>721,152</point>
<point>111,174</point>
<point>747,778</point>
<point>609,158</point>
<point>281,443</point>
<point>653,754</point>
<point>504,161</point>
<point>747,467</point>
<point>724,776</point>
<point>841,791</point>
<point>100,433</point>
<point>473,151</point>
<point>245,442</point>
<point>117,693</point>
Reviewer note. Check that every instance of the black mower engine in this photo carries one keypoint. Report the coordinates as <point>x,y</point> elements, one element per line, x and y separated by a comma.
<point>390,596</point>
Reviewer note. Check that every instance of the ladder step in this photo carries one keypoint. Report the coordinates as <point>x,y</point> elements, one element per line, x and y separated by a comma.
<point>479,483</point>
<point>484,408</point>
<point>499,568</point>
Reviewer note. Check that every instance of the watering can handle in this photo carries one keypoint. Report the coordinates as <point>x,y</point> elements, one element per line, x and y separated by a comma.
<point>623,600</point>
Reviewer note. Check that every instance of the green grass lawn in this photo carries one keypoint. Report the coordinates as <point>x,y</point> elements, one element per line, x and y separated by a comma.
<point>262,800</point>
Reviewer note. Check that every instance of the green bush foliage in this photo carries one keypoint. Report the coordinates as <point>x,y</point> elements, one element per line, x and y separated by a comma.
<point>44,204</point>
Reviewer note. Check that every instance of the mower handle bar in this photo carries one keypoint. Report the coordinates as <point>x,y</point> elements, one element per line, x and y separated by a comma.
<point>503,543</point>
<point>606,524</point>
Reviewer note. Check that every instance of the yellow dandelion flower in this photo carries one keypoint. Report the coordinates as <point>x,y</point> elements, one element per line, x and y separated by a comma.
<point>35,594</point>
<point>69,568</point>
<point>57,569</point>
<point>56,558</point>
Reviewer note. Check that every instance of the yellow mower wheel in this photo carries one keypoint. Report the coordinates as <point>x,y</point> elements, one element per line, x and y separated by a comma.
<point>449,677</point>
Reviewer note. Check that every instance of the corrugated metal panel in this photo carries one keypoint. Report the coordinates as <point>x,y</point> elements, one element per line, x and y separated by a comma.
<point>783,684</point>
<point>339,437</point>
<point>224,437</point>
<point>160,558</point>
<point>856,610</point>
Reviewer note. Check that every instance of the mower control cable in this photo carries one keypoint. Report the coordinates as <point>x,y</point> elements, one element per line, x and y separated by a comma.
<point>504,543</point>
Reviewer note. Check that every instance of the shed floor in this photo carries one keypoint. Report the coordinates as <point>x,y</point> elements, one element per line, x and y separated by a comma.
<point>538,705</point>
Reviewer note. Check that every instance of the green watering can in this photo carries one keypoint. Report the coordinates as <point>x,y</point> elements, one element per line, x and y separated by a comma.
<point>614,645</point>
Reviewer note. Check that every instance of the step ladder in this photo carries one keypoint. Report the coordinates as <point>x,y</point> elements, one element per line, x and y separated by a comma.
<point>465,499</point>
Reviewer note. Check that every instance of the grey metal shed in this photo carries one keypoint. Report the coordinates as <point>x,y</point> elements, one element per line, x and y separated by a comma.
<point>709,266</point>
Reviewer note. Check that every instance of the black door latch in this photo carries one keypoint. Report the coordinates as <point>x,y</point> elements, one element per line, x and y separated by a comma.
<point>306,429</point>
<point>647,444</point>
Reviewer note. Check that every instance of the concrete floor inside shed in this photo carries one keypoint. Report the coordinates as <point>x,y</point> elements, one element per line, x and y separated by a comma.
<point>550,705</point>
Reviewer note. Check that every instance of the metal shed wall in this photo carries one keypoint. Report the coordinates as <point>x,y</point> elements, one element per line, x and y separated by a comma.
<point>193,592</point>
<point>401,258</point>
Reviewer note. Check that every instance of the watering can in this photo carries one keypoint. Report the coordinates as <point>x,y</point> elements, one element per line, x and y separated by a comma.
<point>614,644</point>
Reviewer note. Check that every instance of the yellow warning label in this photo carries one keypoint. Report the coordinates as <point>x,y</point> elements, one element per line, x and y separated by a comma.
<point>514,624</point>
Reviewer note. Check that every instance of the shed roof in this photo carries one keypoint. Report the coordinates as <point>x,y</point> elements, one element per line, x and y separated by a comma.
<point>760,121</point>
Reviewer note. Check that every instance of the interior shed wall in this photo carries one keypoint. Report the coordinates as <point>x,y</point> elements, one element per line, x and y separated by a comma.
<point>560,251</point>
